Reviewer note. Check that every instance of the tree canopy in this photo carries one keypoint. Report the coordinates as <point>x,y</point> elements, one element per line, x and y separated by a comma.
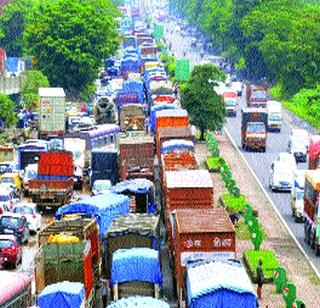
<point>33,80</point>
<point>69,39</point>
<point>7,114</point>
<point>275,39</point>
<point>205,107</point>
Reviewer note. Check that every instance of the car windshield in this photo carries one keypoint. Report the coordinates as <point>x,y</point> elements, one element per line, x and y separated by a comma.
<point>256,128</point>
<point>5,243</point>
<point>9,222</point>
<point>23,210</point>
<point>7,180</point>
<point>300,195</point>
<point>275,117</point>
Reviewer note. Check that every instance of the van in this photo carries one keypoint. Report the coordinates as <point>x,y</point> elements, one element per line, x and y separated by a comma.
<point>274,109</point>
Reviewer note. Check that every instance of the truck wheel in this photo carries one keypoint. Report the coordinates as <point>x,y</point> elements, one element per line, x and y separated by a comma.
<point>264,149</point>
<point>296,219</point>
<point>306,239</point>
<point>317,250</point>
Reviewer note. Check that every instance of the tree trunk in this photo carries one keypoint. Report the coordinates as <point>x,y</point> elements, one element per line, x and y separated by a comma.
<point>202,134</point>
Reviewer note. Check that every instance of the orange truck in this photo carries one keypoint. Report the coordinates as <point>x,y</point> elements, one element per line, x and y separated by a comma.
<point>311,209</point>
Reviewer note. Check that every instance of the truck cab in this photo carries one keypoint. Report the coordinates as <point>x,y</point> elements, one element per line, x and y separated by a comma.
<point>254,128</point>
<point>274,109</point>
<point>297,195</point>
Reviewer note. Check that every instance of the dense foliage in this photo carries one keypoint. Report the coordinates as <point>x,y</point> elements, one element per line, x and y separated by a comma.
<point>7,114</point>
<point>205,107</point>
<point>33,80</point>
<point>275,39</point>
<point>67,38</point>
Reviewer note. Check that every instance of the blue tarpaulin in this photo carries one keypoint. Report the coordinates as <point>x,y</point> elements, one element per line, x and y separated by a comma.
<point>153,112</point>
<point>139,301</point>
<point>12,64</point>
<point>177,144</point>
<point>130,64</point>
<point>103,207</point>
<point>134,86</point>
<point>136,264</point>
<point>220,284</point>
<point>139,186</point>
<point>62,294</point>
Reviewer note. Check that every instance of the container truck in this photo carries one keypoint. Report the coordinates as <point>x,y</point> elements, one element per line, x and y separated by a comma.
<point>52,112</point>
<point>230,100</point>
<point>254,128</point>
<point>53,185</point>
<point>311,209</point>
<point>274,109</point>
<point>256,96</point>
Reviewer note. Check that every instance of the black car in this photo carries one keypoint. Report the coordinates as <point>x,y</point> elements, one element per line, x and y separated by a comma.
<point>15,224</point>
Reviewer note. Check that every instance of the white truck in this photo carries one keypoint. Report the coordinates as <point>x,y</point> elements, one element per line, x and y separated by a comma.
<point>52,113</point>
<point>274,109</point>
<point>297,195</point>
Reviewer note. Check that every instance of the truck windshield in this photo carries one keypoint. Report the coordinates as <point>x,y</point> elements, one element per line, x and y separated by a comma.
<point>256,128</point>
<point>275,117</point>
<point>7,180</point>
<point>230,102</point>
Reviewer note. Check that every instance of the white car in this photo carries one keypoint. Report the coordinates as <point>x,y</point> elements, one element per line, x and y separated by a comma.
<point>101,186</point>
<point>29,210</point>
<point>302,135</point>
<point>288,159</point>
<point>281,177</point>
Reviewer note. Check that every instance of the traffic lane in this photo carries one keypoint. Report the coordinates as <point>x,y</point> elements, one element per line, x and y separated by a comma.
<point>261,163</point>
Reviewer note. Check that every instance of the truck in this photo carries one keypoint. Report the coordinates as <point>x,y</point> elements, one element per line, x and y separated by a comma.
<point>53,185</point>
<point>132,117</point>
<point>256,96</point>
<point>85,229</point>
<point>29,154</point>
<point>104,110</point>
<point>274,109</point>
<point>230,100</point>
<point>297,195</point>
<point>15,289</point>
<point>52,115</point>
<point>314,151</point>
<point>254,123</point>
<point>311,211</point>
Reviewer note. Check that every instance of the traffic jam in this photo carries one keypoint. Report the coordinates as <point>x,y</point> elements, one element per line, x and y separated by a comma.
<point>106,204</point>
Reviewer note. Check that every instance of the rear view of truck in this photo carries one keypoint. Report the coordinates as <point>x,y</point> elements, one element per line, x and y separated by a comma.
<point>254,128</point>
<point>53,185</point>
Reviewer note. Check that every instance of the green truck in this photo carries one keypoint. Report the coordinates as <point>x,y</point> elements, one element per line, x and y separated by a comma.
<point>52,113</point>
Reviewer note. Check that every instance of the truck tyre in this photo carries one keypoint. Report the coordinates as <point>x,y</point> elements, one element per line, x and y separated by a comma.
<point>306,239</point>
<point>317,250</point>
<point>264,149</point>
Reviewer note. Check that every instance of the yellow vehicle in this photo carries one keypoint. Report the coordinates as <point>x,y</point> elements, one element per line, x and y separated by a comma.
<point>12,178</point>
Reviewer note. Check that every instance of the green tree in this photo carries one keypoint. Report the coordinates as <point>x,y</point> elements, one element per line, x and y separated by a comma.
<point>12,25</point>
<point>7,114</point>
<point>69,38</point>
<point>205,107</point>
<point>33,80</point>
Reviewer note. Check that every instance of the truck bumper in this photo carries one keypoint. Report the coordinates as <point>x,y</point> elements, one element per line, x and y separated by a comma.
<point>255,144</point>
<point>231,112</point>
<point>274,128</point>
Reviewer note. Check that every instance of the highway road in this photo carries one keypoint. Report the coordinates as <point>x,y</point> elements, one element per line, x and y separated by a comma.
<point>258,161</point>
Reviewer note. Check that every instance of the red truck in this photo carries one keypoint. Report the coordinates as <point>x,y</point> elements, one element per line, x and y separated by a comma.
<point>314,152</point>
<point>256,96</point>
<point>53,185</point>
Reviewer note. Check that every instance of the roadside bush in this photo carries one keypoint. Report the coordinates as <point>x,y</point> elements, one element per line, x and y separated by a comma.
<point>269,259</point>
<point>233,204</point>
<point>214,163</point>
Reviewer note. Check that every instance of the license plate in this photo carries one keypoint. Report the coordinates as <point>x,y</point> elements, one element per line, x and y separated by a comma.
<point>8,231</point>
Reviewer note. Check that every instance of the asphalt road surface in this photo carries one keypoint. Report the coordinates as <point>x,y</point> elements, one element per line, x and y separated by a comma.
<point>276,142</point>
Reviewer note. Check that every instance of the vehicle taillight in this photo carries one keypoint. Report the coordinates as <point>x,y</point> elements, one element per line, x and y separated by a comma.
<point>34,216</point>
<point>20,229</point>
<point>11,203</point>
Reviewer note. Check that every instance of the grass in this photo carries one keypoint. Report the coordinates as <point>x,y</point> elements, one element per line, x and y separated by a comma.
<point>313,278</point>
<point>242,232</point>
<point>269,259</point>
<point>233,204</point>
<point>214,163</point>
